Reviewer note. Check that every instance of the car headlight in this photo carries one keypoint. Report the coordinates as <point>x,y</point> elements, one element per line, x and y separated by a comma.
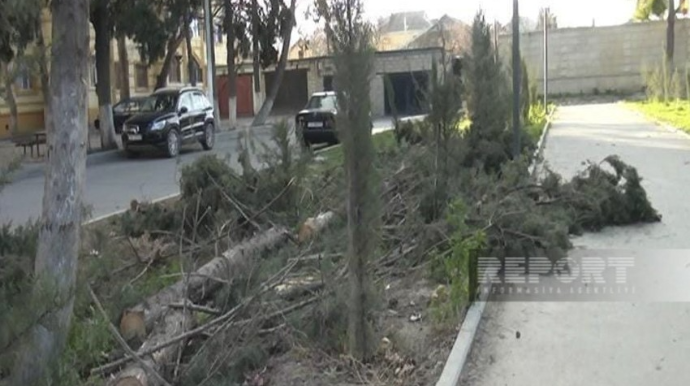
<point>158,125</point>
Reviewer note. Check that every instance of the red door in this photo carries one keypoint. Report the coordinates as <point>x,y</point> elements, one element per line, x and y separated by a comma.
<point>245,96</point>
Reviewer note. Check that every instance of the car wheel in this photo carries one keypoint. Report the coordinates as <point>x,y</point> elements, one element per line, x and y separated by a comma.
<point>209,138</point>
<point>172,148</point>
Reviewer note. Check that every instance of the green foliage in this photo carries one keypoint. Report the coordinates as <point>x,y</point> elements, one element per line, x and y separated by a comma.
<point>646,8</point>
<point>18,22</point>
<point>451,267</point>
<point>489,141</point>
<point>676,114</point>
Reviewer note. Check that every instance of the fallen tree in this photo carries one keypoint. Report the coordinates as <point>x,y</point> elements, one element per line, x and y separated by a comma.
<point>167,323</point>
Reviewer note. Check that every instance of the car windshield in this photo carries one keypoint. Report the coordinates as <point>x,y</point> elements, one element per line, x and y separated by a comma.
<point>322,102</point>
<point>159,102</point>
<point>129,106</point>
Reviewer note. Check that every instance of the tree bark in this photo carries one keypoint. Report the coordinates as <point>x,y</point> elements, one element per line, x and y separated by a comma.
<point>256,48</point>
<point>173,45</point>
<point>103,36</point>
<point>10,97</point>
<point>670,34</point>
<point>58,241</point>
<point>188,43</point>
<point>202,283</point>
<point>267,106</point>
<point>232,70</point>
<point>123,57</point>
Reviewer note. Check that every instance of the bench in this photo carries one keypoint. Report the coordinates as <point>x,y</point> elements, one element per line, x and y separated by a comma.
<point>30,141</point>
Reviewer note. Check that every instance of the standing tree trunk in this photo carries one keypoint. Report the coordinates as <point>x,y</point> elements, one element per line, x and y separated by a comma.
<point>267,106</point>
<point>354,66</point>
<point>670,34</point>
<point>256,50</point>
<point>188,43</point>
<point>58,240</point>
<point>173,45</point>
<point>123,57</point>
<point>103,31</point>
<point>10,97</point>
<point>232,70</point>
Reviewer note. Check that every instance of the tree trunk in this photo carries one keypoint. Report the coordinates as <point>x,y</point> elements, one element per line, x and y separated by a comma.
<point>256,48</point>
<point>267,106</point>
<point>124,67</point>
<point>201,283</point>
<point>167,323</point>
<point>44,74</point>
<point>103,37</point>
<point>188,43</point>
<point>670,34</point>
<point>216,110</point>
<point>232,70</point>
<point>173,45</point>
<point>10,97</point>
<point>353,66</point>
<point>58,240</point>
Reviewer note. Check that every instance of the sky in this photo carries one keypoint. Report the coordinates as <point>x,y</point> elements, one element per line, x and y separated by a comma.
<point>570,13</point>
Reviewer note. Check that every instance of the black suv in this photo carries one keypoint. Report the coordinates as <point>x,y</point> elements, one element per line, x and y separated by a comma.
<point>168,119</point>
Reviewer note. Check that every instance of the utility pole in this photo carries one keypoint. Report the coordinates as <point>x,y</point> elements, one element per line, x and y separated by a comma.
<point>547,13</point>
<point>516,80</point>
<point>209,50</point>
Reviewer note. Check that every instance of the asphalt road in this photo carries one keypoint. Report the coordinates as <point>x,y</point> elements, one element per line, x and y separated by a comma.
<point>593,342</point>
<point>112,180</point>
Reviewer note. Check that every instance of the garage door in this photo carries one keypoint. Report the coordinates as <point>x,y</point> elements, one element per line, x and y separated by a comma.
<point>245,98</point>
<point>409,90</point>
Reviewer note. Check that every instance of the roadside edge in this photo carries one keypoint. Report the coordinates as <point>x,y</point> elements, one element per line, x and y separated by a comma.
<point>455,364</point>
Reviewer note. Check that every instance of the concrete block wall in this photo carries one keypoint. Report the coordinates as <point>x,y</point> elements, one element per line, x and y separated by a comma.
<point>599,58</point>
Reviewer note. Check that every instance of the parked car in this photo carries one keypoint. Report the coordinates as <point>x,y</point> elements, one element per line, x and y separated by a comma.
<point>122,111</point>
<point>170,118</point>
<point>316,122</point>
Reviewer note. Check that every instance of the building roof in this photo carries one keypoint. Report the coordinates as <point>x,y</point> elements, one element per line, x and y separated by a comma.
<point>457,35</point>
<point>405,21</point>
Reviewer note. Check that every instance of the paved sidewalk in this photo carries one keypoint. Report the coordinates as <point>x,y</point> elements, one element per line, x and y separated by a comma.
<point>592,343</point>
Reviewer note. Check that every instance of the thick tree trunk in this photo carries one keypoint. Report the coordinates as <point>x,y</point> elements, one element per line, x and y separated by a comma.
<point>232,70</point>
<point>670,34</point>
<point>188,43</point>
<point>216,111</point>
<point>58,242</point>
<point>256,48</point>
<point>173,45</point>
<point>103,37</point>
<point>267,106</point>
<point>10,97</point>
<point>123,57</point>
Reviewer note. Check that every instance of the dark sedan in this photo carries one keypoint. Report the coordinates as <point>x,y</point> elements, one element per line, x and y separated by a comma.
<point>316,122</point>
<point>124,110</point>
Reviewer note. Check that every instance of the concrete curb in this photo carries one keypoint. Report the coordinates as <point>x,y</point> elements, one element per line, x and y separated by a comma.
<point>659,122</point>
<point>122,211</point>
<point>460,352</point>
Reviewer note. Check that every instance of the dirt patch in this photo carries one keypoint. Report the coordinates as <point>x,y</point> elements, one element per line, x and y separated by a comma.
<point>412,350</point>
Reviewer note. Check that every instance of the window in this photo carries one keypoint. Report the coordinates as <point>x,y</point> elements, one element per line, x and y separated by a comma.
<point>118,76</point>
<point>322,102</point>
<point>199,101</point>
<point>142,76</point>
<point>93,72</point>
<point>175,75</point>
<point>218,34</point>
<point>186,101</point>
<point>328,83</point>
<point>23,80</point>
<point>195,28</point>
<point>159,102</point>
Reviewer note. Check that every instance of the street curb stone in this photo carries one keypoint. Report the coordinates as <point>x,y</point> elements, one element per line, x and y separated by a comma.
<point>460,352</point>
